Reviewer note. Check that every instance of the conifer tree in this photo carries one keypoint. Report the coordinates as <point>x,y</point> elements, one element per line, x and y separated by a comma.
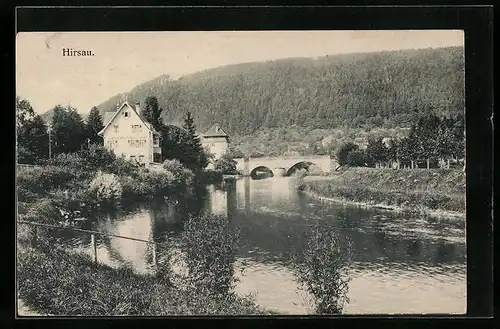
<point>93,125</point>
<point>195,154</point>
<point>152,112</point>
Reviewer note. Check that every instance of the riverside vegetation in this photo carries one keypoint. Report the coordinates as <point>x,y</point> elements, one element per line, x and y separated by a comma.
<point>88,184</point>
<point>423,190</point>
<point>54,281</point>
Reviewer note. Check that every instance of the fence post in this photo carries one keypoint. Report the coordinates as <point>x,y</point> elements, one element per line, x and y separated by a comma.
<point>94,246</point>
<point>35,237</point>
<point>155,261</point>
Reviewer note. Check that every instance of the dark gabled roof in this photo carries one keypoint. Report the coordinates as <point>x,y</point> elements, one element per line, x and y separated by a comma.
<point>215,131</point>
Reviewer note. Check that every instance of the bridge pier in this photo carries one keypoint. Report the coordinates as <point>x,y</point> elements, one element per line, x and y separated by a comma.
<point>279,172</point>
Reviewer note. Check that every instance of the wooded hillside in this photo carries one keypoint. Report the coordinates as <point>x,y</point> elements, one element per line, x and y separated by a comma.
<point>369,90</point>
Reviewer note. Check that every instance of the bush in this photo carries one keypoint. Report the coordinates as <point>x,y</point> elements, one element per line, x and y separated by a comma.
<point>106,187</point>
<point>122,167</point>
<point>151,184</point>
<point>97,156</point>
<point>344,151</point>
<point>173,165</point>
<point>226,165</point>
<point>38,181</point>
<point>323,269</point>
<point>210,177</point>
<point>68,160</point>
<point>43,210</point>
<point>356,158</point>
<point>210,243</point>
<point>62,283</point>
<point>182,175</point>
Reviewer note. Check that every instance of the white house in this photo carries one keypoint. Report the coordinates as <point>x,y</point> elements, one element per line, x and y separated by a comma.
<point>216,141</point>
<point>130,136</point>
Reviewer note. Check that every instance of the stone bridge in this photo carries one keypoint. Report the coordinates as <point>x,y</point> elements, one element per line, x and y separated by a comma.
<point>283,165</point>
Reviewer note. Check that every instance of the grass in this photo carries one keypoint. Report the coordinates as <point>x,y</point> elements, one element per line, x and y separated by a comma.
<point>421,189</point>
<point>57,282</point>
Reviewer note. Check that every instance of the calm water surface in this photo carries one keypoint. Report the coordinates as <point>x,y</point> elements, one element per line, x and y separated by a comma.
<point>401,263</point>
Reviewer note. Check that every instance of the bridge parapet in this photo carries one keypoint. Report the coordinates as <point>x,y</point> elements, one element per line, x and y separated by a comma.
<point>282,162</point>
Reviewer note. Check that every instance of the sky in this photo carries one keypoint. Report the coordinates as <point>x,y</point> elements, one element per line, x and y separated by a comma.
<point>122,60</point>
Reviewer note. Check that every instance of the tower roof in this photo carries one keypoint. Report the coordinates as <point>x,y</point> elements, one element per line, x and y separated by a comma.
<point>215,131</point>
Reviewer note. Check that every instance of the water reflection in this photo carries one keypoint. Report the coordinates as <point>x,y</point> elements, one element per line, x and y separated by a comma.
<point>399,262</point>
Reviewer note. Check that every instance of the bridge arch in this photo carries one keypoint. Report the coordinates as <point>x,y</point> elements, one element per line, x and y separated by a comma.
<point>260,172</point>
<point>306,165</point>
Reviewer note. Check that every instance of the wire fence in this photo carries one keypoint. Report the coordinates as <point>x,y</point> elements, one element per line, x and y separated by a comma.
<point>93,235</point>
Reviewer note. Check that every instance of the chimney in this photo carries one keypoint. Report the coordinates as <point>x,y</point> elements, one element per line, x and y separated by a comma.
<point>138,107</point>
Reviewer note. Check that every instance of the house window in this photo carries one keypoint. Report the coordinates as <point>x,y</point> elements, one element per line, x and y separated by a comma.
<point>136,128</point>
<point>115,128</point>
<point>137,142</point>
<point>112,143</point>
<point>125,114</point>
<point>217,129</point>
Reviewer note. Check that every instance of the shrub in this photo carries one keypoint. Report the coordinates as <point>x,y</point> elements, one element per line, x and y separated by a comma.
<point>225,165</point>
<point>43,210</point>
<point>173,165</point>
<point>181,175</point>
<point>344,151</point>
<point>322,269</point>
<point>33,181</point>
<point>356,158</point>
<point>210,177</point>
<point>210,243</point>
<point>161,182</point>
<point>61,283</point>
<point>122,167</point>
<point>97,156</point>
<point>68,160</point>
<point>106,187</point>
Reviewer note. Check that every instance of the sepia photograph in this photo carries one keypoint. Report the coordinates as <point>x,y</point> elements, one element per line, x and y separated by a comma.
<point>189,173</point>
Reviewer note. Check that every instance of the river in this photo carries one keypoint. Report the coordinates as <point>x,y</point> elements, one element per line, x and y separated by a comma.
<point>400,263</point>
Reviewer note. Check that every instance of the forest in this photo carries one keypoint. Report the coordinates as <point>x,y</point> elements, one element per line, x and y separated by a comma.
<point>312,106</point>
<point>367,90</point>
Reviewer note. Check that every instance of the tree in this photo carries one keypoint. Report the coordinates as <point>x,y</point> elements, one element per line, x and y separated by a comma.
<point>344,151</point>
<point>356,158</point>
<point>93,125</point>
<point>36,142</point>
<point>68,130</point>
<point>32,136</point>
<point>24,113</point>
<point>173,143</point>
<point>152,112</point>
<point>457,126</point>
<point>376,151</point>
<point>196,158</point>
<point>226,164</point>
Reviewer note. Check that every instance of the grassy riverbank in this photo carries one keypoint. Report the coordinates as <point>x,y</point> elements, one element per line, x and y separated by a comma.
<point>422,190</point>
<point>57,282</point>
